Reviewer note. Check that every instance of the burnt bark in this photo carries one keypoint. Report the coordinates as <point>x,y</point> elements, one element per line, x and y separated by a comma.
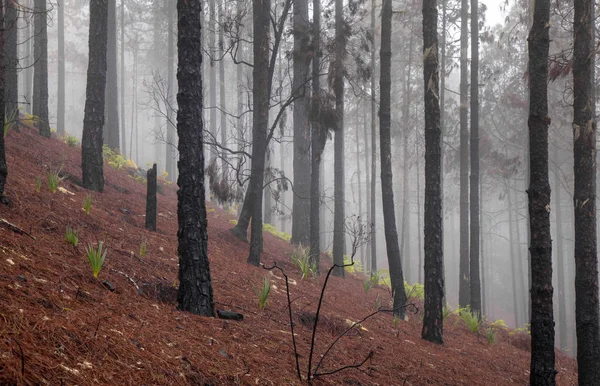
<point>11,61</point>
<point>387,191</point>
<point>3,166</point>
<point>91,144</point>
<point>474,248</point>
<point>40,67</point>
<point>338,146</point>
<point>464,289</point>
<point>302,137</point>
<point>434,255</point>
<point>587,317</point>
<point>195,289</point>
<point>542,370</point>
<point>111,123</point>
<point>261,89</point>
<point>151,176</point>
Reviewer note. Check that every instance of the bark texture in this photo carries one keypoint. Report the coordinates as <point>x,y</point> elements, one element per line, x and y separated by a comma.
<point>92,163</point>
<point>195,290</point>
<point>587,318</point>
<point>3,166</point>
<point>302,137</point>
<point>540,246</point>
<point>387,191</point>
<point>434,255</point>
<point>40,67</point>
<point>111,124</point>
<point>151,176</point>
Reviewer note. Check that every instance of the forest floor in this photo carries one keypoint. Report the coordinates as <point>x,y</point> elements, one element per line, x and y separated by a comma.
<point>59,325</point>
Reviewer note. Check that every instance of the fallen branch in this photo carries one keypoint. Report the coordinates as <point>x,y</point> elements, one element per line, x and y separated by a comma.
<point>15,228</point>
<point>139,290</point>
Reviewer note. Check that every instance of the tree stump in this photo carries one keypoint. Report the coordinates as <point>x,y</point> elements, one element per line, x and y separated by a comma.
<point>151,199</point>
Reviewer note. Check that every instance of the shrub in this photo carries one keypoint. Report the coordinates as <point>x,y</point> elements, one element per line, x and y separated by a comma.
<point>53,179</point>
<point>471,319</point>
<point>301,257</point>
<point>95,257</point>
<point>415,291</point>
<point>263,293</point>
<point>272,230</point>
<point>71,140</point>
<point>71,236</point>
<point>87,204</point>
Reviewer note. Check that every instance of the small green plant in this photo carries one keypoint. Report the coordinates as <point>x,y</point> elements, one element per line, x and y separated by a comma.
<point>38,184</point>
<point>521,330</point>
<point>96,257</point>
<point>71,140</point>
<point>490,334</point>
<point>71,236</point>
<point>10,121</point>
<point>472,320</point>
<point>143,248</point>
<point>263,293</point>
<point>367,285</point>
<point>446,311</point>
<point>275,232</point>
<point>415,291</point>
<point>53,179</point>
<point>396,320</point>
<point>87,204</point>
<point>301,257</point>
<point>377,302</point>
<point>357,267</point>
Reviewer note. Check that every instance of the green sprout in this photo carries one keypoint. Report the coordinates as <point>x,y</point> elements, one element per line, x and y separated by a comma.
<point>263,293</point>
<point>71,236</point>
<point>87,204</point>
<point>96,257</point>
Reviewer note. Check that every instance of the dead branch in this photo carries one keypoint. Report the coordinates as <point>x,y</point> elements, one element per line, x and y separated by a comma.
<point>15,228</point>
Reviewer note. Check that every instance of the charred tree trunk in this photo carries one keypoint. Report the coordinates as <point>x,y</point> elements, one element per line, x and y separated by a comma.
<point>542,315</point>
<point>338,162</point>
<point>195,289</point>
<point>11,62</point>
<point>464,290</point>
<point>584,196</point>
<point>372,212</point>
<point>3,166</point>
<point>40,68</point>
<point>387,191</point>
<point>92,164</point>
<point>434,254</point>
<point>151,176</point>
<point>261,91</point>
<point>474,275</point>
<point>111,124</point>
<point>302,143</point>
<point>318,139</point>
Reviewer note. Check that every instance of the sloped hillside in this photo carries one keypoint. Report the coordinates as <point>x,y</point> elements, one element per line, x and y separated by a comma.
<point>60,325</point>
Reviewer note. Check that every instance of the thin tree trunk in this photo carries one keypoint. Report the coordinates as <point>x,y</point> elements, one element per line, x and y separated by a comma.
<point>124,132</point>
<point>367,265</point>
<point>111,125</point>
<point>359,185</point>
<point>434,253</point>
<point>405,244</point>
<point>560,259</point>
<point>394,252</point>
<point>464,287</point>
<point>474,274</point>
<point>338,162</point>
<point>92,163</point>
<point>40,68</point>
<point>222,99</point>
<point>3,166</point>
<point>11,61</point>
<point>60,113</point>
<point>419,229</point>
<point>584,196</point>
<point>170,155</point>
<point>373,213</point>
<point>29,32</point>
<point>195,289</point>
<point>212,87</point>
<point>157,69</point>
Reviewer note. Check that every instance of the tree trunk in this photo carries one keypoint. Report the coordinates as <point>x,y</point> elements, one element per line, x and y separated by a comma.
<point>367,265</point>
<point>91,144</point>
<point>267,197</point>
<point>464,290</point>
<point>434,253</point>
<point>11,61</point>
<point>584,196</point>
<point>318,139</point>
<point>560,259</point>
<point>302,156</point>
<point>372,212</point>
<point>40,68</point>
<point>28,39</point>
<point>111,124</point>
<point>151,199</point>
<point>3,166</point>
<point>195,289</point>
<point>359,185</point>
<point>170,154</point>
<point>513,259</point>
<point>261,91</point>
<point>124,133</point>
<point>419,229</point>
<point>338,161</point>
<point>222,99</point>
<point>405,244</point>
<point>387,191</point>
<point>157,69</point>
<point>60,113</point>
<point>474,274</point>
<point>212,87</point>
<point>542,315</point>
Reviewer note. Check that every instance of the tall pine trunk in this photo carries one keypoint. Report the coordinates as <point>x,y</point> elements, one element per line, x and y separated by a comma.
<point>338,146</point>
<point>434,254</point>
<point>222,99</point>
<point>91,144</point>
<point>584,195</point>
<point>542,314</point>
<point>170,154</point>
<point>3,166</point>
<point>195,289</point>
<point>60,106</point>
<point>373,210</point>
<point>212,87</point>
<point>123,132</point>
<point>111,124</point>
<point>387,192</point>
<point>405,244</point>
<point>11,61</point>
<point>302,143</point>
<point>464,290</point>
<point>40,68</point>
